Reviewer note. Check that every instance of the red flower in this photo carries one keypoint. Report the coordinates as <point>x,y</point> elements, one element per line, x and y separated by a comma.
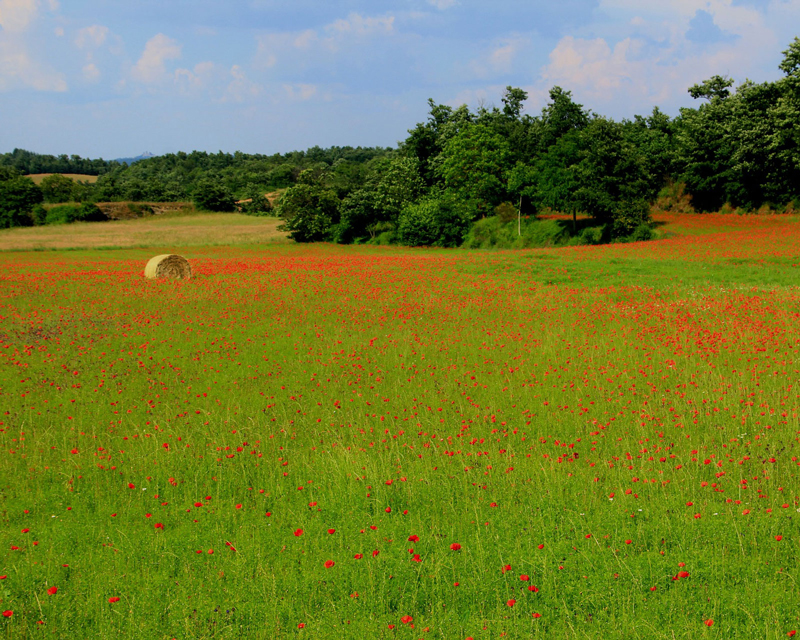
<point>329,564</point>
<point>511,603</point>
<point>506,568</point>
<point>414,538</point>
<point>158,525</point>
<point>25,530</point>
<point>537,615</point>
<point>455,547</point>
<point>375,553</point>
<point>298,532</point>
<point>541,546</point>
<point>534,589</point>
<point>709,622</point>
<point>358,556</point>
<point>388,509</point>
<point>131,485</point>
<point>331,531</point>
<point>8,613</point>
<point>238,506</point>
<point>406,619</point>
<point>113,599</point>
<point>524,577</point>
<point>792,633</point>
<point>779,538</point>
<point>301,625</point>
<point>628,541</point>
<point>52,591</point>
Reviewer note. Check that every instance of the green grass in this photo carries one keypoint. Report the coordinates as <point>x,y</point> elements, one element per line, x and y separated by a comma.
<point>505,395</point>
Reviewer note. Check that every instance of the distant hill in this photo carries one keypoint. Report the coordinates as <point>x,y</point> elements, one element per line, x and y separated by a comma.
<point>144,156</point>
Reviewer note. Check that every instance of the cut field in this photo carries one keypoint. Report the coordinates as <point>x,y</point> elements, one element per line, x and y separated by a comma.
<point>361,442</point>
<point>75,177</point>
<point>165,231</point>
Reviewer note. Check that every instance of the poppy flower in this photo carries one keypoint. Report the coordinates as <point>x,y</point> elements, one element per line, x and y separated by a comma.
<point>511,603</point>
<point>113,599</point>
<point>524,577</point>
<point>413,538</point>
<point>298,532</point>
<point>375,553</point>
<point>537,615</point>
<point>533,589</point>
<point>329,564</point>
<point>331,531</point>
<point>455,547</point>
<point>709,622</point>
<point>779,538</point>
<point>406,619</point>
<point>358,556</point>
<point>301,625</point>
<point>8,613</point>
<point>52,591</point>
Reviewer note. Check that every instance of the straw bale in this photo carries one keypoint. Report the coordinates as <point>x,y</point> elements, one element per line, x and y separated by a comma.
<point>170,266</point>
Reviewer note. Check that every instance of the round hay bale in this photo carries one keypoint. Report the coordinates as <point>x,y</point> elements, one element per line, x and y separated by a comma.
<point>170,266</point>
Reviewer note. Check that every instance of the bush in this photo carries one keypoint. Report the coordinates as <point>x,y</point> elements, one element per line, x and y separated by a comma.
<point>593,235</point>
<point>212,196</point>
<point>438,221</point>
<point>628,215</point>
<point>18,197</point>
<point>63,214</point>
<point>258,205</point>
<point>493,233</point>
<point>38,215</point>
<point>140,209</point>
<point>310,212</point>
<point>642,233</point>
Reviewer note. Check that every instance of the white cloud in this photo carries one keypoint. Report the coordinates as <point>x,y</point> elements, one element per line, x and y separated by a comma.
<point>240,88</point>
<point>91,73</point>
<point>443,4</point>
<point>200,77</point>
<point>300,92</point>
<point>93,36</point>
<point>18,69</point>
<point>16,15</point>
<point>361,26</point>
<point>310,44</point>
<point>500,59</point>
<point>151,67</point>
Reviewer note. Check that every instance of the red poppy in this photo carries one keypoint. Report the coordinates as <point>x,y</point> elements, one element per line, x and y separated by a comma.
<point>455,546</point>
<point>414,538</point>
<point>511,603</point>
<point>375,553</point>
<point>298,532</point>
<point>524,577</point>
<point>158,525</point>
<point>329,564</point>
<point>537,615</point>
<point>533,588</point>
<point>113,599</point>
<point>8,613</point>
<point>406,619</point>
<point>331,531</point>
<point>52,591</point>
<point>131,485</point>
<point>301,625</point>
<point>358,556</point>
<point>779,538</point>
<point>506,568</point>
<point>709,622</point>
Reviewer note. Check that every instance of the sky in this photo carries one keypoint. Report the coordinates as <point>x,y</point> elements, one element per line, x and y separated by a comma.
<point>107,78</point>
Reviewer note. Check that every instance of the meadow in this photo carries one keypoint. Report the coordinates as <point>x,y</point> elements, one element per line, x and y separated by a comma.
<point>315,441</point>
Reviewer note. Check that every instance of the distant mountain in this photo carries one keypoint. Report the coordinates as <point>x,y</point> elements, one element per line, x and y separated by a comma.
<point>144,156</point>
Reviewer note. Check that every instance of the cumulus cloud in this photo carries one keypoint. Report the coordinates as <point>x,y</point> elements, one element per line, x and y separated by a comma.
<point>90,72</point>
<point>18,69</point>
<point>240,87</point>
<point>300,92</point>
<point>91,37</point>
<point>500,58</point>
<point>352,31</point>
<point>151,67</point>
<point>16,15</point>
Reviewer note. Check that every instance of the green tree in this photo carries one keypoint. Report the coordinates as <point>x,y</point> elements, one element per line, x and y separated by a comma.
<point>309,212</point>
<point>440,220</point>
<point>57,188</point>
<point>716,87</point>
<point>18,197</point>
<point>209,195</point>
<point>473,165</point>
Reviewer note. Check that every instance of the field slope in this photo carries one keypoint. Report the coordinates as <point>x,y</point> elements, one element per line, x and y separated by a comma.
<point>353,442</point>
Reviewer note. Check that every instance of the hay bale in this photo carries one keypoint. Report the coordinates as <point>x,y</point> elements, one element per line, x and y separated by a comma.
<point>170,266</point>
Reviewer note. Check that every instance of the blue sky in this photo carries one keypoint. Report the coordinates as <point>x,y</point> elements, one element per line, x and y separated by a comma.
<point>111,78</point>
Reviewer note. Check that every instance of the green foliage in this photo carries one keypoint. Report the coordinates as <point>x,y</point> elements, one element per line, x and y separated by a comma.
<point>440,221</point>
<point>473,164</point>
<point>68,213</point>
<point>140,209</point>
<point>506,212</point>
<point>715,88</point>
<point>18,197</point>
<point>57,188</point>
<point>212,196</point>
<point>309,212</point>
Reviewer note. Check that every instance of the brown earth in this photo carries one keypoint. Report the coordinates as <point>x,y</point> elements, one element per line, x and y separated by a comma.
<point>76,177</point>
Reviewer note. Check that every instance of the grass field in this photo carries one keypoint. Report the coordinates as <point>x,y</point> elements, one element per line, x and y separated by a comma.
<point>170,231</point>
<point>355,442</point>
<point>75,177</point>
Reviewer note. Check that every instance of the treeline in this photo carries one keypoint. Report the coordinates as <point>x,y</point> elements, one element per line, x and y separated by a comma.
<point>464,175</point>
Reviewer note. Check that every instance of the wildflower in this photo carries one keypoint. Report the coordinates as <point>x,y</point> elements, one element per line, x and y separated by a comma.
<point>329,564</point>
<point>52,591</point>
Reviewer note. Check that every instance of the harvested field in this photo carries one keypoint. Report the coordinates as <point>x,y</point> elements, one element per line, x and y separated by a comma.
<point>201,229</point>
<point>77,177</point>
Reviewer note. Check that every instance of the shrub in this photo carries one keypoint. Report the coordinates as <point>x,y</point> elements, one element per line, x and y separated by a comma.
<point>63,214</point>
<point>212,196</point>
<point>506,212</point>
<point>628,215</point>
<point>140,209</point>
<point>437,221</point>
<point>642,233</point>
<point>310,212</point>
<point>18,197</point>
